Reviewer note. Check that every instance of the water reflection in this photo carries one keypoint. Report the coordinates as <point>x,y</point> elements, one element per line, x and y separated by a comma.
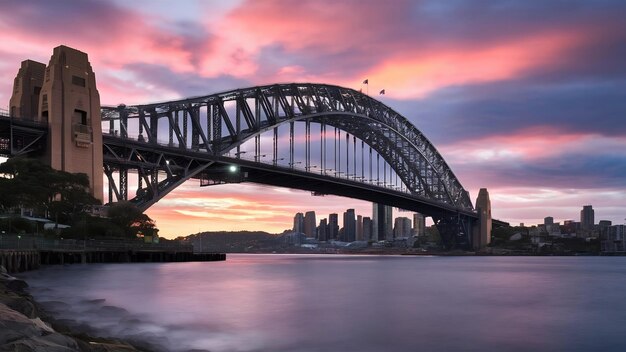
<point>349,303</point>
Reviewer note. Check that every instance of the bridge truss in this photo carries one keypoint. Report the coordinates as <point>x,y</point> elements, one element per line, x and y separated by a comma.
<point>317,137</point>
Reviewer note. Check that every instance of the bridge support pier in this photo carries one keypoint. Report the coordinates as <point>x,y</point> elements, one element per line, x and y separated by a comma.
<point>63,95</point>
<point>482,228</point>
<point>455,230</point>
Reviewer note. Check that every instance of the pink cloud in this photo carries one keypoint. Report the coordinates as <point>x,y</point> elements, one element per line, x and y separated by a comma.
<point>538,142</point>
<point>413,73</point>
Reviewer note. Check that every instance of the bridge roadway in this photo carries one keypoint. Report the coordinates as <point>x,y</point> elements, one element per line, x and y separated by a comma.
<point>275,175</point>
<point>29,139</point>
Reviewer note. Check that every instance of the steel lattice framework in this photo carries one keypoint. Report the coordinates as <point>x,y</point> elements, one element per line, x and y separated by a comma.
<point>204,130</point>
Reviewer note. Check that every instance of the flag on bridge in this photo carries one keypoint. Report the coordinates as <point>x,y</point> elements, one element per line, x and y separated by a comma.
<point>366,81</point>
<point>382,92</point>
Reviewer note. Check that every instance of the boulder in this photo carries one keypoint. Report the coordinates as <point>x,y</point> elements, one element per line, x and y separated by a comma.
<point>21,304</point>
<point>15,326</point>
<point>49,343</point>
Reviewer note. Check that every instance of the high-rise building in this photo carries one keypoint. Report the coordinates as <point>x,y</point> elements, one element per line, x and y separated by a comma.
<point>548,220</point>
<point>605,223</point>
<point>402,227</point>
<point>322,230</point>
<point>419,224</point>
<point>382,222</point>
<point>367,229</point>
<point>587,217</point>
<point>359,228</point>
<point>298,223</point>
<point>349,226</point>
<point>309,224</point>
<point>333,226</point>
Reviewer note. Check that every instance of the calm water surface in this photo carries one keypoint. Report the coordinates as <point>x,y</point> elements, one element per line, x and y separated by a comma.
<point>348,303</point>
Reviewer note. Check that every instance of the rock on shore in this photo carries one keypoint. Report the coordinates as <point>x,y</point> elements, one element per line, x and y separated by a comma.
<point>23,325</point>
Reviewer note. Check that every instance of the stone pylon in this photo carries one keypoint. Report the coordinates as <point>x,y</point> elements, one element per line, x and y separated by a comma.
<point>27,84</point>
<point>482,229</point>
<point>70,104</point>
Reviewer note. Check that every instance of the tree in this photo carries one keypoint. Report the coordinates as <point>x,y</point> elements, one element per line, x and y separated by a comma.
<point>29,183</point>
<point>131,219</point>
<point>24,183</point>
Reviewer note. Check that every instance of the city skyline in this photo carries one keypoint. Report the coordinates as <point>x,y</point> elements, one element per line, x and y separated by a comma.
<point>523,99</point>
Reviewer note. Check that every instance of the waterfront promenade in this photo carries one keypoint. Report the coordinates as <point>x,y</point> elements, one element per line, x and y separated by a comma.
<point>24,252</point>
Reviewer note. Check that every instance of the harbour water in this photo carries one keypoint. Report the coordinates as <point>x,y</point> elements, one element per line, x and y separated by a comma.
<point>347,303</point>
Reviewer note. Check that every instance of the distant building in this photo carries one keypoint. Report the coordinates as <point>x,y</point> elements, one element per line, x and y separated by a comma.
<point>419,224</point>
<point>603,229</point>
<point>570,227</point>
<point>615,242</point>
<point>402,227</point>
<point>333,226</point>
<point>367,229</point>
<point>309,224</point>
<point>548,220</point>
<point>605,223</point>
<point>322,230</point>
<point>359,228</point>
<point>298,223</point>
<point>349,226</point>
<point>382,222</point>
<point>587,217</point>
<point>553,229</point>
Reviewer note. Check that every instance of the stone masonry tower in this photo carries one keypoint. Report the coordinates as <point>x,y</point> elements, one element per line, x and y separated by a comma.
<point>482,230</point>
<point>24,101</point>
<point>69,102</point>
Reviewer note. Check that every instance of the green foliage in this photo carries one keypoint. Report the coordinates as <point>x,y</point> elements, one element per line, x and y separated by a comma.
<point>16,224</point>
<point>501,235</point>
<point>130,219</point>
<point>64,198</point>
<point>29,183</point>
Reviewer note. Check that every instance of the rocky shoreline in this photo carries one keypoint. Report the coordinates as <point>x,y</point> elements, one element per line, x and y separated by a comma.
<point>25,326</point>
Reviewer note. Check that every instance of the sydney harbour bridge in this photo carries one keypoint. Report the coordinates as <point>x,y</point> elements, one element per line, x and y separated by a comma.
<point>316,137</point>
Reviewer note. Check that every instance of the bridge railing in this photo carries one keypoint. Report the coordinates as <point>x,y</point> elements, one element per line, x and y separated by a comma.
<point>315,169</point>
<point>34,242</point>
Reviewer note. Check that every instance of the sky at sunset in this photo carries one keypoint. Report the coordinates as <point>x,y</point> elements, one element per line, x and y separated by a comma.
<point>525,98</point>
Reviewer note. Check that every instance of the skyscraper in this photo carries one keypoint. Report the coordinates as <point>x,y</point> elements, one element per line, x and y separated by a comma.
<point>298,223</point>
<point>349,226</point>
<point>419,224</point>
<point>382,222</point>
<point>548,220</point>
<point>367,229</point>
<point>333,226</point>
<point>402,227</point>
<point>359,228</point>
<point>309,224</point>
<point>587,219</point>
<point>322,230</point>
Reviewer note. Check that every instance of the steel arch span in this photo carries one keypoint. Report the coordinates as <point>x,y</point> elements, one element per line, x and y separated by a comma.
<point>170,142</point>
